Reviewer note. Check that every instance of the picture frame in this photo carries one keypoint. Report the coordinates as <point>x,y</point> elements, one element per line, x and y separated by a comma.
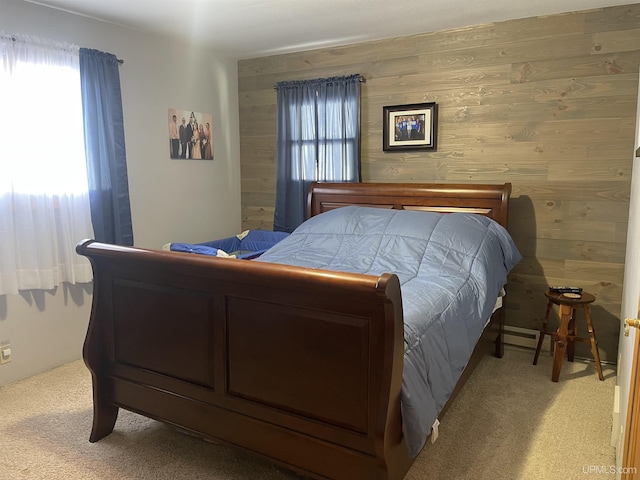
<point>410,127</point>
<point>190,135</point>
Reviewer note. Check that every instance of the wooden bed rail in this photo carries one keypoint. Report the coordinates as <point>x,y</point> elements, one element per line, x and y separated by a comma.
<point>301,366</point>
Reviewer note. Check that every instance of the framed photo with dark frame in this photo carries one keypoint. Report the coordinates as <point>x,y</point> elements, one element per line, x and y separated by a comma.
<point>409,127</point>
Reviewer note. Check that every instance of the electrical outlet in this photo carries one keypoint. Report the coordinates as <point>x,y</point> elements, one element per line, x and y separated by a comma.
<point>5,354</point>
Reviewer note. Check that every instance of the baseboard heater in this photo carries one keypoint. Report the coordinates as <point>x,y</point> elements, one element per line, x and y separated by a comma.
<point>524,337</point>
<point>528,338</point>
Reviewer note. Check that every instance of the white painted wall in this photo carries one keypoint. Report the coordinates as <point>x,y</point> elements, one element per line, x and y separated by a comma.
<point>171,200</point>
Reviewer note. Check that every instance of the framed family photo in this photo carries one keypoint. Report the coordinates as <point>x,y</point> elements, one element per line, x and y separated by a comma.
<point>409,127</point>
<point>190,135</point>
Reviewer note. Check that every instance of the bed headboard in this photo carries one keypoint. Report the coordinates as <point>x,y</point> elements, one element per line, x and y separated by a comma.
<point>489,200</point>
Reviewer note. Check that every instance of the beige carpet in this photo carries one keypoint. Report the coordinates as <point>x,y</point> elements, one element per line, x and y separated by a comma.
<point>509,422</point>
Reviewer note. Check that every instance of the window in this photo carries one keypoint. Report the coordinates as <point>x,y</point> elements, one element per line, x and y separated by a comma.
<point>44,201</point>
<point>318,139</point>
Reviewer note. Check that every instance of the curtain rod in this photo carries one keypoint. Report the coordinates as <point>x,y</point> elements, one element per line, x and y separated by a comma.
<point>362,80</point>
<point>120,61</point>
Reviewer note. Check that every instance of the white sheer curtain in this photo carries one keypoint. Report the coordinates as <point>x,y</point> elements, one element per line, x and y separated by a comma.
<point>44,200</point>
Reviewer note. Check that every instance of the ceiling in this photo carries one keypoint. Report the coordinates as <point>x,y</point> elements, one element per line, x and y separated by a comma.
<point>256,28</point>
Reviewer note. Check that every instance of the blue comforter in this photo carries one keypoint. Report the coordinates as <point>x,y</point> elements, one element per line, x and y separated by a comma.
<point>246,245</point>
<point>451,267</point>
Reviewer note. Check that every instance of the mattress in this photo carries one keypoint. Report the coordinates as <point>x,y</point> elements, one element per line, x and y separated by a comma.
<point>451,268</point>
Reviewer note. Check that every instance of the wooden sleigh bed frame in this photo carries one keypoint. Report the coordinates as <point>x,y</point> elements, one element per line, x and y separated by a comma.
<point>300,366</point>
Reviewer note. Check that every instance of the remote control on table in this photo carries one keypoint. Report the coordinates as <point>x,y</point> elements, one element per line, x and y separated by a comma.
<point>566,289</point>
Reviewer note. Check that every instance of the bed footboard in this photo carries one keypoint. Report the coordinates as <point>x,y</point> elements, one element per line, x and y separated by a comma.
<point>301,366</point>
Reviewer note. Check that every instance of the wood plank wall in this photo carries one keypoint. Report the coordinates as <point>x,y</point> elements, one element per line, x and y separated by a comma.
<point>546,103</point>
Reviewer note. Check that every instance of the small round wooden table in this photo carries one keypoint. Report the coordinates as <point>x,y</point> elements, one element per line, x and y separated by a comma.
<point>566,334</point>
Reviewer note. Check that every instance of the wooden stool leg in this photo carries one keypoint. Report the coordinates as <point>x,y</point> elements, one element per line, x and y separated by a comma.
<point>543,331</point>
<point>560,345</point>
<point>594,342</point>
<point>572,332</point>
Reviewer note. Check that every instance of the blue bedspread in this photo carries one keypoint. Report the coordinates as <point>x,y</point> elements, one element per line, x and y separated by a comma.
<point>248,244</point>
<point>451,267</point>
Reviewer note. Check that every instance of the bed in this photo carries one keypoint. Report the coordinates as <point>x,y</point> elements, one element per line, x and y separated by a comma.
<point>297,364</point>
